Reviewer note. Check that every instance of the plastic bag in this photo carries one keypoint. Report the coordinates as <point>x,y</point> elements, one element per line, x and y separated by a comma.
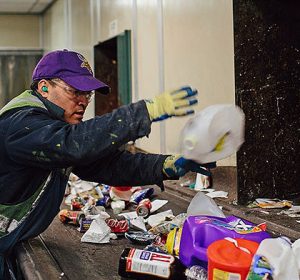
<point>201,204</point>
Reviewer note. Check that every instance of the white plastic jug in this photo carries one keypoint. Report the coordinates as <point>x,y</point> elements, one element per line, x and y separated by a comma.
<point>296,250</point>
<point>279,254</point>
<point>201,204</point>
<point>213,134</point>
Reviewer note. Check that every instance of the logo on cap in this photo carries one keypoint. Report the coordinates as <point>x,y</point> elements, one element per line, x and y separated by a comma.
<point>85,63</point>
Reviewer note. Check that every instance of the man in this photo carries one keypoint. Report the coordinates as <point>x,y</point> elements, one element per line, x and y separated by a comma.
<point>43,139</point>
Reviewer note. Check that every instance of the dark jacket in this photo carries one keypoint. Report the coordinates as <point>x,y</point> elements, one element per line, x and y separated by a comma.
<point>38,150</point>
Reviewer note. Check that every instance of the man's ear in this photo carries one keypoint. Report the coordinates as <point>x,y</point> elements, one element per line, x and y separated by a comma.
<point>42,88</point>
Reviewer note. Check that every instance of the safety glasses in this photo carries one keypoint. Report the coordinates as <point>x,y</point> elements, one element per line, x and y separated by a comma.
<point>74,93</point>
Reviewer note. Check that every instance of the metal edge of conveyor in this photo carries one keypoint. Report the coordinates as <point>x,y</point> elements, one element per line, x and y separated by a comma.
<point>243,212</point>
<point>36,261</point>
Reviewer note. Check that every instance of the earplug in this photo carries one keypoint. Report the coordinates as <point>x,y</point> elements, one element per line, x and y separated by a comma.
<point>44,89</point>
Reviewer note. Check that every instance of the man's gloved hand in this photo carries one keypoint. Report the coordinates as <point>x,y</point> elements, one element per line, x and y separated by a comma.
<point>177,166</point>
<point>173,103</point>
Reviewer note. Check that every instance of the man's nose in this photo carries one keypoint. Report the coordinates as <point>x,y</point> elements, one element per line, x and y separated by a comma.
<point>83,100</point>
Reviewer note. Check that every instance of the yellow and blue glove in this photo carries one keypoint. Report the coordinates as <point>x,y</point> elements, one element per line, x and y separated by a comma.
<point>177,166</point>
<point>173,103</point>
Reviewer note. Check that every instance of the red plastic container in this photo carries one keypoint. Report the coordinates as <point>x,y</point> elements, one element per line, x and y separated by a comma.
<point>121,192</point>
<point>123,188</point>
<point>230,259</point>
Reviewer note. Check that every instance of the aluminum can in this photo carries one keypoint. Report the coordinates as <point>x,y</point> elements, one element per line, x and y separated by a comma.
<point>144,207</point>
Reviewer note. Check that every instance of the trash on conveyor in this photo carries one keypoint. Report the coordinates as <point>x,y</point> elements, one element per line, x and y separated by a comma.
<point>215,194</point>
<point>140,237</point>
<point>293,212</point>
<point>276,258</point>
<point>98,232</point>
<point>144,207</point>
<point>201,204</point>
<point>201,243</point>
<point>72,217</point>
<point>270,203</point>
<point>143,264</point>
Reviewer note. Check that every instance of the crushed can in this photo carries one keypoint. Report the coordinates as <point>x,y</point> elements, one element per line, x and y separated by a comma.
<point>117,226</point>
<point>144,207</point>
<point>71,217</point>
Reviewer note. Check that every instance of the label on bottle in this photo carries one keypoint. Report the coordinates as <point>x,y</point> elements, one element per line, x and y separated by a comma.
<point>219,274</point>
<point>147,262</point>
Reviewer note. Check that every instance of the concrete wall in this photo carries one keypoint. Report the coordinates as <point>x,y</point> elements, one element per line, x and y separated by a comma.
<point>19,32</point>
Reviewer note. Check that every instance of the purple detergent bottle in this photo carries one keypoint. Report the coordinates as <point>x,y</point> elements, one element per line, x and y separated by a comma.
<point>200,231</point>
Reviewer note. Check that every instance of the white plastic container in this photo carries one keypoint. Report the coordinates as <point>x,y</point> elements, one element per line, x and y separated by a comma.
<point>213,134</point>
<point>296,250</point>
<point>279,254</point>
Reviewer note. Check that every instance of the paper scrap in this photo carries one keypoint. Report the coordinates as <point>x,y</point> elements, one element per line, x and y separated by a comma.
<point>129,215</point>
<point>138,223</point>
<point>293,212</point>
<point>98,232</point>
<point>272,203</point>
<point>156,204</point>
<point>218,194</point>
<point>156,219</point>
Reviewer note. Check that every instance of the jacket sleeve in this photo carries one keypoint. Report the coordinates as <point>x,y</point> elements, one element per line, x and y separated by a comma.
<point>33,136</point>
<point>125,168</point>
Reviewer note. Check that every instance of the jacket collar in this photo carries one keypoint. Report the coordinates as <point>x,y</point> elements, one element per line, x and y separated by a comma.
<point>53,109</point>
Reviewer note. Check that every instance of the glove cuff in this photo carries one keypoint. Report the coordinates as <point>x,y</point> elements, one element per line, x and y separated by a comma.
<point>151,108</point>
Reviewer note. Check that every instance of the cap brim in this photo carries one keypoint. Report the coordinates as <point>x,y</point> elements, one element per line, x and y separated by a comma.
<point>87,83</point>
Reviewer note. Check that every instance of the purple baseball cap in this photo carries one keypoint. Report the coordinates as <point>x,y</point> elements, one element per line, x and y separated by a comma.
<point>72,68</point>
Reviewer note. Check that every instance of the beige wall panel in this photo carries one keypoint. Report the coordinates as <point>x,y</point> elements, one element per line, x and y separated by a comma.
<point>19,31</point>
<point>54,31</point>
<point>81,38</point>
<point>81,27</point>
<point>145,54</point>
<point>198,40</point>
<point>67,24</point>
<point>147,64</point>
<point>120,10</point>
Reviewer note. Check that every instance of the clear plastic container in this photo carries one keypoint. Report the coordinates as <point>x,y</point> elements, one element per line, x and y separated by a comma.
<point>196,272</point>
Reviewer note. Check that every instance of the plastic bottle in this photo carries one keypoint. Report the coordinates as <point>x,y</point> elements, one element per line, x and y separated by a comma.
<point>279,255</point>
<point>202,204</point>
<point>214,133</point>
<point>196,272</point>
<point>147,265</point>
<point>296,250</point>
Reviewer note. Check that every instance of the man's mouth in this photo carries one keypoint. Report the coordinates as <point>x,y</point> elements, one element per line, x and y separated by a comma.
<point>78,115</point>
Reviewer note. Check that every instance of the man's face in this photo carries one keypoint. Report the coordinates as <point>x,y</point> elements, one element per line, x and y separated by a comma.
<point>72,101</point>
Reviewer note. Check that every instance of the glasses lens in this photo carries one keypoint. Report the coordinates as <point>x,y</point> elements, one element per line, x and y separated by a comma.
<point>87,94</point>
<point>75,93</point>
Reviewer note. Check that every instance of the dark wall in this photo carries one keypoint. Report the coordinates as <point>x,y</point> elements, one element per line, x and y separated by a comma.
<point>267,78</point>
